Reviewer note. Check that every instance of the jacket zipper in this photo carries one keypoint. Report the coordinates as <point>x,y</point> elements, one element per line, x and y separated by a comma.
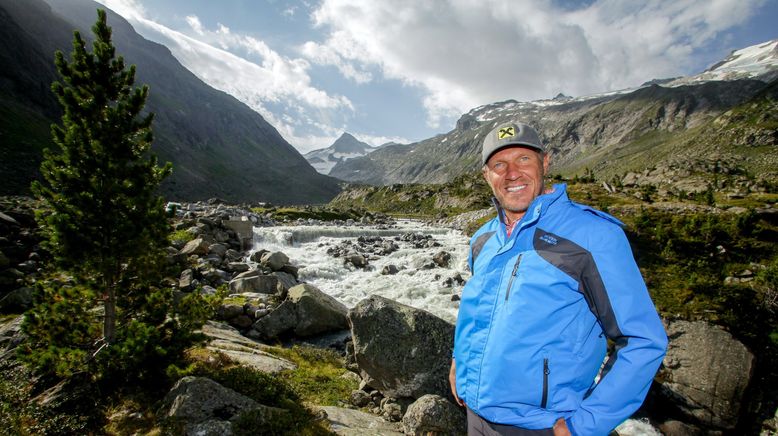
<point>546,371</point>
<point>513,276</point>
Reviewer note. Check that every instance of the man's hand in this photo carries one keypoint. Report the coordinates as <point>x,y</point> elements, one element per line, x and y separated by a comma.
<point>452,380</point>
<point>560,428</point>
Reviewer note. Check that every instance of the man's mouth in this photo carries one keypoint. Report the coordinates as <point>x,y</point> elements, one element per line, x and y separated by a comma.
<point>515,188</point>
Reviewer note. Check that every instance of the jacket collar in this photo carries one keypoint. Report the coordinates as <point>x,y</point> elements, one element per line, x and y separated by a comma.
<point>538,207</point>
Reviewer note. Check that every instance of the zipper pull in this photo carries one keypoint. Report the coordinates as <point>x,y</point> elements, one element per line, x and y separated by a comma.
<point>516,266</point>
<point>513,276</point>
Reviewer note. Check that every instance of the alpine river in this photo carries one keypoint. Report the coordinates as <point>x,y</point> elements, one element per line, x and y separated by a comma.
<point>416,283</point>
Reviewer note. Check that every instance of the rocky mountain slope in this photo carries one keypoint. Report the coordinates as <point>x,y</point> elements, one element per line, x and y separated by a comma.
<point>219,147</point>
<point>663,123</point>
<point>344,148</point>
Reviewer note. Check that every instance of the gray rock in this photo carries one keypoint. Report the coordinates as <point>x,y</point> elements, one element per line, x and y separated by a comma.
<point>678,428</point>
<point>197,400</point>
<point>17,300</point>
<point>358,260</point>
<point>237,267</point>
<point>257,255</point>
<point>405,351</point>
<point>286,281</point>
<point>196,246</point>
<point>218,249</point>
<point>348,422</point>
<point>706,372</point>
<point>208,290</point>
<point>227,312</point>
<point>306,312</point>
<point>389,270</point>
<point>229,341</point>
<point>274,260</point>
<point>233,255</point>
<point>275,323</point>
<point>265,284</point>
<point>317,312</point>
<point>214,427</point>
<point>185,281</point>
<point>442,259</point>
<point>433,414</point>
<point>359,398</point>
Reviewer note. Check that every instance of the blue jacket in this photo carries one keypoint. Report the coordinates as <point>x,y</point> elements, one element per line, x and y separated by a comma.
<point>533,321</point>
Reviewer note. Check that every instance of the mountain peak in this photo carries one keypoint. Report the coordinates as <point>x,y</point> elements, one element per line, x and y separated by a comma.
<point>349,144</point>
<point>344,148</point>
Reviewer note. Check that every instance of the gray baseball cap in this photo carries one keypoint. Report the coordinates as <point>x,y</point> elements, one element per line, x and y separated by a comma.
<point>507,134</point>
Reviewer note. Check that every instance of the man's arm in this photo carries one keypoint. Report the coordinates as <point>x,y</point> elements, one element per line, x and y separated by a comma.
<point>452,380</point>
<point>618,296</point>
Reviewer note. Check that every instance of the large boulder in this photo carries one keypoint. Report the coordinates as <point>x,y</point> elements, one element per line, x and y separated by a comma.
<point>317,312</point>
<point>405,351</point>
<point>227,340</point>
<point>274,260</point>
<point>254,281</point>
<point>433,414</point>
<point>307,311</point>
<point>706,371</point>
<point>200,403</point>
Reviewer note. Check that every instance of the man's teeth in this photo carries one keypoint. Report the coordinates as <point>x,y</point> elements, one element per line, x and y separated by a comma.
<point>516,188</point>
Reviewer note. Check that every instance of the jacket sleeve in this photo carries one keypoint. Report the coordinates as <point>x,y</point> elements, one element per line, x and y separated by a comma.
<point>617,295</point>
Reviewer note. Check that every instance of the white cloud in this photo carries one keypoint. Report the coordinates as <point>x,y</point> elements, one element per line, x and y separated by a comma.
<point>272,80</point>
<point>467,53</point>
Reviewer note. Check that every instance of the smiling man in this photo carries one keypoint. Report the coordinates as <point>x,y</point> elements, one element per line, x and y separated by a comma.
<point>552,281</point>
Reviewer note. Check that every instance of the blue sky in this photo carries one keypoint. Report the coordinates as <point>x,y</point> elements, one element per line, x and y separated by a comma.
<point>406,70</point>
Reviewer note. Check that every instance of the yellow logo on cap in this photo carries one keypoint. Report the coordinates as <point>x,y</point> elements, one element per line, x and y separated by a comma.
<point>506,132</point>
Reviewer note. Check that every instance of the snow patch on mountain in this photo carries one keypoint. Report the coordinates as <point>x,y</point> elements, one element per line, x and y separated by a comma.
<point>344,148</point>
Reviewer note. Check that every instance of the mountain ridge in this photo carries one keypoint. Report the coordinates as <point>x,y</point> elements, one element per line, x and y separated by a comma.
<point>611,133</point>
<point>219,146</point>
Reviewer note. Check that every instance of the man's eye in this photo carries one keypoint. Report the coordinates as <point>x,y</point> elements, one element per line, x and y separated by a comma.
<point>499,166</point>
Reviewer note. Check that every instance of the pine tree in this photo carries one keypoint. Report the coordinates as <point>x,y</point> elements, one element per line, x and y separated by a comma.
<point>101,217</point>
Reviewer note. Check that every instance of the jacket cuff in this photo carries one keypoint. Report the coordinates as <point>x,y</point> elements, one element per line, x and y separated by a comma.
<point>570,427</point>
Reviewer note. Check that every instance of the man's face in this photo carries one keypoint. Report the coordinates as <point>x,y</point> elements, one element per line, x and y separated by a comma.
<point>515,175</point>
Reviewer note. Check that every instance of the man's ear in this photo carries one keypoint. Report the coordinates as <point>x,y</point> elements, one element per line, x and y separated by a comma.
<point>546,162</point>
<point>484,172</point>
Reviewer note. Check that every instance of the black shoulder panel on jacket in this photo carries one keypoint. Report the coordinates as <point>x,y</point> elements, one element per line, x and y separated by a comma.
<point>479,244</point>
<point>578,263</point>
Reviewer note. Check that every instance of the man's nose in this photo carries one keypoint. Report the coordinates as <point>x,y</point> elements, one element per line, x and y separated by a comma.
<point>512,171</point>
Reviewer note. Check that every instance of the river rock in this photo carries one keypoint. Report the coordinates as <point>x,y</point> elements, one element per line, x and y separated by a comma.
<point>433,414</point>
<point>358,260</point>
<point>706,372</point>
<point>442,259</point>
<point>274,260</point>
<point>390,270</point>
<point>405,351</point>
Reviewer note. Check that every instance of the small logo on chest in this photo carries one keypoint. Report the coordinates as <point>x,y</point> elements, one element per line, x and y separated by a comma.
<point>549,239</point>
